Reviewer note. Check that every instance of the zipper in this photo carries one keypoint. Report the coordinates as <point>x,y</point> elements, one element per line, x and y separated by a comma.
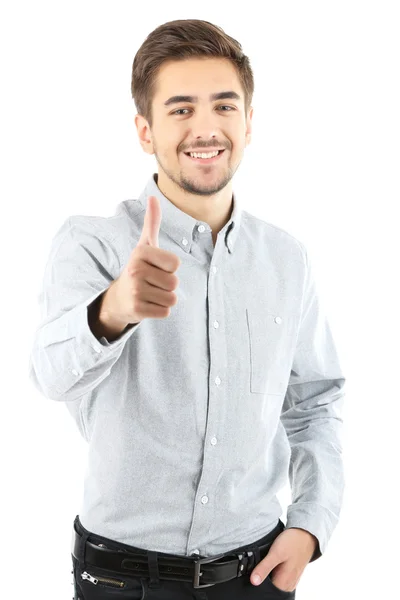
<point>105,580</point>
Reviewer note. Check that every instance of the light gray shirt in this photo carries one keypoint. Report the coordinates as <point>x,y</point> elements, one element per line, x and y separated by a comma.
<point>196,421</point>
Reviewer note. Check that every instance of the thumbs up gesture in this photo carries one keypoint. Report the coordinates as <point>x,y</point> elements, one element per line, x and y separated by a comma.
<point>145,286</point>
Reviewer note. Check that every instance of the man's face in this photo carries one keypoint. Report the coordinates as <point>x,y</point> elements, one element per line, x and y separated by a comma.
<point>201,124</point>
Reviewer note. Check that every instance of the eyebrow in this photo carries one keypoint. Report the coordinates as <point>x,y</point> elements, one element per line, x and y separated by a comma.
<point>218,96</point>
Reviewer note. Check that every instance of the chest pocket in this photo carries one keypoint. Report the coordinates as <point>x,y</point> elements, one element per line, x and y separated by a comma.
<point>271,339</point>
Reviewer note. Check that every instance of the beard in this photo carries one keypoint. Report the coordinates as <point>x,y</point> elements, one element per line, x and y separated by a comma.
<point>199,183</point>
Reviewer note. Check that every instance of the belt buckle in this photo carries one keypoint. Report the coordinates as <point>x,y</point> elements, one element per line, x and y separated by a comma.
<point>197,573</point>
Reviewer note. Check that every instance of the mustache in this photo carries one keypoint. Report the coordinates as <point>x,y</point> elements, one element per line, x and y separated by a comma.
<point>210,148</point>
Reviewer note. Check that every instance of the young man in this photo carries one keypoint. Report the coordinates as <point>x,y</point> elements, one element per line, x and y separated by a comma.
<point>187,339</point>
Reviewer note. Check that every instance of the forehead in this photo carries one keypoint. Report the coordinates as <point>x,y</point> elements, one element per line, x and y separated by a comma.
<point>191,75</point>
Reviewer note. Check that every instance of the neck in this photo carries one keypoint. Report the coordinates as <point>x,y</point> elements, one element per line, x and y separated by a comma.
<point>214,210</point>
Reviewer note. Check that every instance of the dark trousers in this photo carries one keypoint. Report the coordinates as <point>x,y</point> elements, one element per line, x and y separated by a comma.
<point>139,588</point>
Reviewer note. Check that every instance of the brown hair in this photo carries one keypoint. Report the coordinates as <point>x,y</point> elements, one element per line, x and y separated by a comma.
<point>179,40</point>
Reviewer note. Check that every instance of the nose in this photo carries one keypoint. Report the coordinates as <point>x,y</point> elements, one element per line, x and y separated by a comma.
<point>204,126</point>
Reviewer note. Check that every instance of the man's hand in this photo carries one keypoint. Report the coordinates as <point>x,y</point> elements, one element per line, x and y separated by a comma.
<point>145,287</point>
<point>291,551</point>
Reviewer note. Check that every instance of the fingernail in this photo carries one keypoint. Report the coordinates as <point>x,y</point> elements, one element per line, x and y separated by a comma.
<point>256,579</point>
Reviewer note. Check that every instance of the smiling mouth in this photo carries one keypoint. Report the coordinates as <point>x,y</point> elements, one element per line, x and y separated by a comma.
<point>205,160</point>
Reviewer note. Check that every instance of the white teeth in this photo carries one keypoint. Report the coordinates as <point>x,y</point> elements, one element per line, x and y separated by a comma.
<point>203,155</point>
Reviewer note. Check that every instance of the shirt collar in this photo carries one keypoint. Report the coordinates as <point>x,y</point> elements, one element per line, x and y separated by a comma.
<point>180,226</point>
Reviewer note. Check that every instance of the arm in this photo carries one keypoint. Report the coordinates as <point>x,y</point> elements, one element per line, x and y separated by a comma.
<point>101,322</point>
<point>311,415</point>
<point>67,359</point>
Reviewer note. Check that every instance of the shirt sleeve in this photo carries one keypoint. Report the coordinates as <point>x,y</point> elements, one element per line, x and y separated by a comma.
<point>312,417</point>
<point>67,360</point>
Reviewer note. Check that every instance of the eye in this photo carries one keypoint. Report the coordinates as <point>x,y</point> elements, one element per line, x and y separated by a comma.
<point>176,111</point>
<point>221,106</point>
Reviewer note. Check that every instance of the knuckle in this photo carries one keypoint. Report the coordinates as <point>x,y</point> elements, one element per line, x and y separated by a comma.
<point>135,268</point>
<point>174,282</point>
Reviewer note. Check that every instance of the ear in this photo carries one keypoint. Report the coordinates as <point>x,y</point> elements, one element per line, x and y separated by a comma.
<point>144,134</point>
<point>249,126</point>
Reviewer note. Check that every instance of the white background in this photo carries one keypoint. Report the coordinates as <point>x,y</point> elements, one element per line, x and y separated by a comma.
<point>323,164</point>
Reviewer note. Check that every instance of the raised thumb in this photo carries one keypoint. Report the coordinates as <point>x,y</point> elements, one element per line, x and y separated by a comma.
<point>151,224</point>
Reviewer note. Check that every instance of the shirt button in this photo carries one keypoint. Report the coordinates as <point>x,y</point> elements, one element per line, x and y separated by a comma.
<point>195,551</point>
<point>216,324</point>
<point>217,380</point>
<point>201,228</point>
<point>214,269</point>
<point>97,349</point>
<point>278,320</point>
<point>213,441</point>
<point>184,242</point>
<point>74,371</point>
<point>204,499</point>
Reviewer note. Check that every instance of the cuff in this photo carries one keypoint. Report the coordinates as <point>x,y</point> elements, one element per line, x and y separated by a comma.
<point>314,518</point>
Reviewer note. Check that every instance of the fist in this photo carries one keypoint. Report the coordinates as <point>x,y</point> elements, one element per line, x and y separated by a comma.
<point>145,287</point>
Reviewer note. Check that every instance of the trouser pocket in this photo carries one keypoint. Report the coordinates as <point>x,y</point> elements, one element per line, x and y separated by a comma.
<point>277,592</point>
<point>93,583</point>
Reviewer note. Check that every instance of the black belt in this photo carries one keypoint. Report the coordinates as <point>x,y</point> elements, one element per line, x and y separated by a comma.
<point>172,566</point>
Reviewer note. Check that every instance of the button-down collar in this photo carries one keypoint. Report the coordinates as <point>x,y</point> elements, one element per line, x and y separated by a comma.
<point>180,226</point>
